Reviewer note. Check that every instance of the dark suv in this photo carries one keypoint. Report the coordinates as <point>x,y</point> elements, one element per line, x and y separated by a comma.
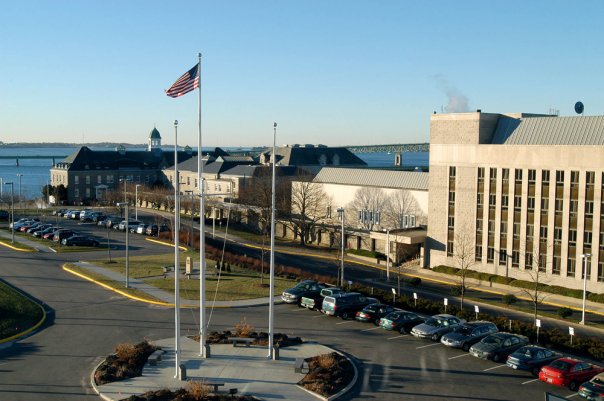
<point>346,305</point>
<point>468,334</point>
<point>303,289</point>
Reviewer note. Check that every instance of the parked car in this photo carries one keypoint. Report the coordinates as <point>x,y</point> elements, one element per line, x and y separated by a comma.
<point>111,221</point>
<point>302,289</point>
<point>90,215</point>
<point>531,358</point>
<point>346,304</point>
<point>498,346</point>
<point>60,235</point>
<point>4,215</point>
<point>50,235</point>
<point>154,229</point>
<point>127,224</point>
<point>79,240</point>
<point>373,313</point>
<point>84,214</point>
<point>594,389</point>
<point>468,334</point>
<point>401,321</point>
<point>568,372</point>
<point>98,216</point>
<point>29,225</point>
<point>58,212</point>
<point>74,214</point>
<point>49,230</point>
<point>436,326</point>
<point>142,228</point>
<point>41,227</point>
<point>315,301</point>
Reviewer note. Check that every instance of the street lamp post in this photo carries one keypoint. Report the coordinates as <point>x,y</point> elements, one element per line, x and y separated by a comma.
<point>136,201</point>
<point>585,256</point>
<point>12,210</point>
<point>388,254</point>
<point>341,215</point>
<point>120,204</point>
<point>190,192</point>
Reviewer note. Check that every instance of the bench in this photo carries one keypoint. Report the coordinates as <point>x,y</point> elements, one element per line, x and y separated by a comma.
<point>213,383</point>
<point>246,340</point>
<point>155,356</point>
<point>299,365</point>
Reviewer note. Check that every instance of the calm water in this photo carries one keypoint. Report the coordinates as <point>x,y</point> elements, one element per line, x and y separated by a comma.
<point>36,174</point>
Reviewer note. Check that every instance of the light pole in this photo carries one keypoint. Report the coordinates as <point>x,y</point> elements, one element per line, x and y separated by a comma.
<point>12,210</point>
<point>120,204</point>
<point>136,201</point>
<point>585,256</point>
<point>341,215</point>
<point>20,204</point>
<point>388,254</point>
<point>190,192</point>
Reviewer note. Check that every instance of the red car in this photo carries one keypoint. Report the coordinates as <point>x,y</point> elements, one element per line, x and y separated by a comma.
<point>568,372</point>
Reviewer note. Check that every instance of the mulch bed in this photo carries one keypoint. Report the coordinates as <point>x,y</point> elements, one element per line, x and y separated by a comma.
<point>183,395</point>
<point>280,340</point>
<point>328,380</point>
<point>127,362</point>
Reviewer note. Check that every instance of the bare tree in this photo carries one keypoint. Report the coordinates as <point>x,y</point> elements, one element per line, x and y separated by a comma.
<point>398,205</point>
<point>366,199</point>
<point>310,207</point>
<point>537,278</point>
<point>465,257</point>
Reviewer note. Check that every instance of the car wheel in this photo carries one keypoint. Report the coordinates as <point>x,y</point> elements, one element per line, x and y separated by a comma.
<point>402,330</point>
<point>435,337</point>
<point>535,371</point>
<point>377,321</point>
<point>573,386</point>
<point>465,347</point>
<point>496,358</point>
<point>345,315</point>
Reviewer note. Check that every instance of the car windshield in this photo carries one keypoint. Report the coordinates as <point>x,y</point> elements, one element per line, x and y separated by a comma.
<point>525,352</point>
<point>560,365</point>
<point>434,322</point>
<point>492,340</point>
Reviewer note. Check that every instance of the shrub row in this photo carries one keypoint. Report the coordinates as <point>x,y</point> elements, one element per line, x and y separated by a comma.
<point>493,278</point>
<point>366,253</point>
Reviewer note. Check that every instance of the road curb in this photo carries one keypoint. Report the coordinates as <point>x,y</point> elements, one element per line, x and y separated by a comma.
<point>93,382</point>
<point>182,248</point>
<point>31,329</point>
<point>14,248</point>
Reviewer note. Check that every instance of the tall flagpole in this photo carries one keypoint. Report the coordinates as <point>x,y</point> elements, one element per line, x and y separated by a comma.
<point>202,241</point>
<point>176,250</point>
<point>271,292</point>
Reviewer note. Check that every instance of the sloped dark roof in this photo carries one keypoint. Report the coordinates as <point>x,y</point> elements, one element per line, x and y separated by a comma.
<point>309,155</point>
<point>86,159</point>
<point>154,134</point>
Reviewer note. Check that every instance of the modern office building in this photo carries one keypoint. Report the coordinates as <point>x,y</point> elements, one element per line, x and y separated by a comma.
<point>525,191</point>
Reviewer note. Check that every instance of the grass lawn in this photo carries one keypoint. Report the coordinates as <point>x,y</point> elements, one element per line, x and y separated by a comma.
<point>17,311</point>
<point>240,283</point>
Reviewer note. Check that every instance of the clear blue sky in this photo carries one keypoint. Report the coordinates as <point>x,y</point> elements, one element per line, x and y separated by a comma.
<point>333,72</point>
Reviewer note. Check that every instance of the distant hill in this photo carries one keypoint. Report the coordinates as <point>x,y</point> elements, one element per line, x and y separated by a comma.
<point>68,145</point>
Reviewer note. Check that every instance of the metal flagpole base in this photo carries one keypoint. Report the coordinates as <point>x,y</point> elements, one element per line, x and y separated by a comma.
<point>206,353</point>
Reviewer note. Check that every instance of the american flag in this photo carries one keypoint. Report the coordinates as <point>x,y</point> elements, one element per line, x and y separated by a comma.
<point>185,84</point>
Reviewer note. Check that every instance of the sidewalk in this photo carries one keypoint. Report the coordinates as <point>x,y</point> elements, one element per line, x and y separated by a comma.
<point>7,237</point>
<point>245,368</point>
<point>165,297</point>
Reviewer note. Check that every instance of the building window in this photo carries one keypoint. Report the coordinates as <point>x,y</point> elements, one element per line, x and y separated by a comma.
<point>76,180</point>
<point>449,248</point>
<point>559,177</point>
<point>556,265</point>
<point>528,261</point>
<point>480,174</point>
<point>504,227</point>
<point>544,204</point>
<point>505,199</point>
<point>88,192</point>
<point>87,180</point>
<point>515,258</point>
<point>530,231</point>
<point>572,237</point>
<point>574,178</point>
<point>503,257</point>
<point>505,177</point>
<point>574,206</point>
<point>492,200</point>
<point>452,172</point>
<point>600,271</point>
<point>559,204</point>
<point>451,197</point>
<point>543,232</point>
<point>76,193</point>
<point>518,176</point>
<point>545,177</point>
<point>493,173</point>
<point>478,255</point>
<point>590,178</point>
<point>517,202</point>
<point>479,199</point>
<point>491,227</point>
<point>99,179</point>
<point>532,175</point>
<point>490,254</point>
<point>188,181</point>
<point>109,179</point>
<point>557,235</point>
<point>530,203</point>
<point>589,208</point>
<point>138,178</point>
<point>451,221</point>
<point>571,267</point>
<point>587,237</point>
<point>146,179</point>
<point>516,229</point>
<point>479,225</point>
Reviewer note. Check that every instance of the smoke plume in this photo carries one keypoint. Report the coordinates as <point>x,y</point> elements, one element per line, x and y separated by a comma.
<point>457,101</point>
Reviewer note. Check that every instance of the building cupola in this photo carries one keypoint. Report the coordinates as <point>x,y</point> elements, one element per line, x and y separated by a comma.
<point>154,140</point>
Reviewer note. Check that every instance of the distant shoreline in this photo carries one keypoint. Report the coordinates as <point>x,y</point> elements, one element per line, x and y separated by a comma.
<point>66,145</point>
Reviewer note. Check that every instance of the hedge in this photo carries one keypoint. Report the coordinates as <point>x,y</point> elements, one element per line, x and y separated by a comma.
<point>366,253</point>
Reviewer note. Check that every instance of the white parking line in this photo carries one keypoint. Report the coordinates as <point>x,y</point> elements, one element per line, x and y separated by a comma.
<point>494,367</point>
<point>315,317</point>
<point>459,356</point>
<point>530,381</point>
<point>572,395</point>
<point>350,321</point>
<point>373,328</point>
<point>299,310</point>
<point>402,335</point>
<point>429,345</point>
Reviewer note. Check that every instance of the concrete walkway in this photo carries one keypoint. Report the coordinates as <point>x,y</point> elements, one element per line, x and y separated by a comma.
<point>245,368</point>
<point>7,238</point>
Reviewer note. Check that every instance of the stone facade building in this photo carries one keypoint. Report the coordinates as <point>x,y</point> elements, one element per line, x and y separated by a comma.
<point>524,191</point>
